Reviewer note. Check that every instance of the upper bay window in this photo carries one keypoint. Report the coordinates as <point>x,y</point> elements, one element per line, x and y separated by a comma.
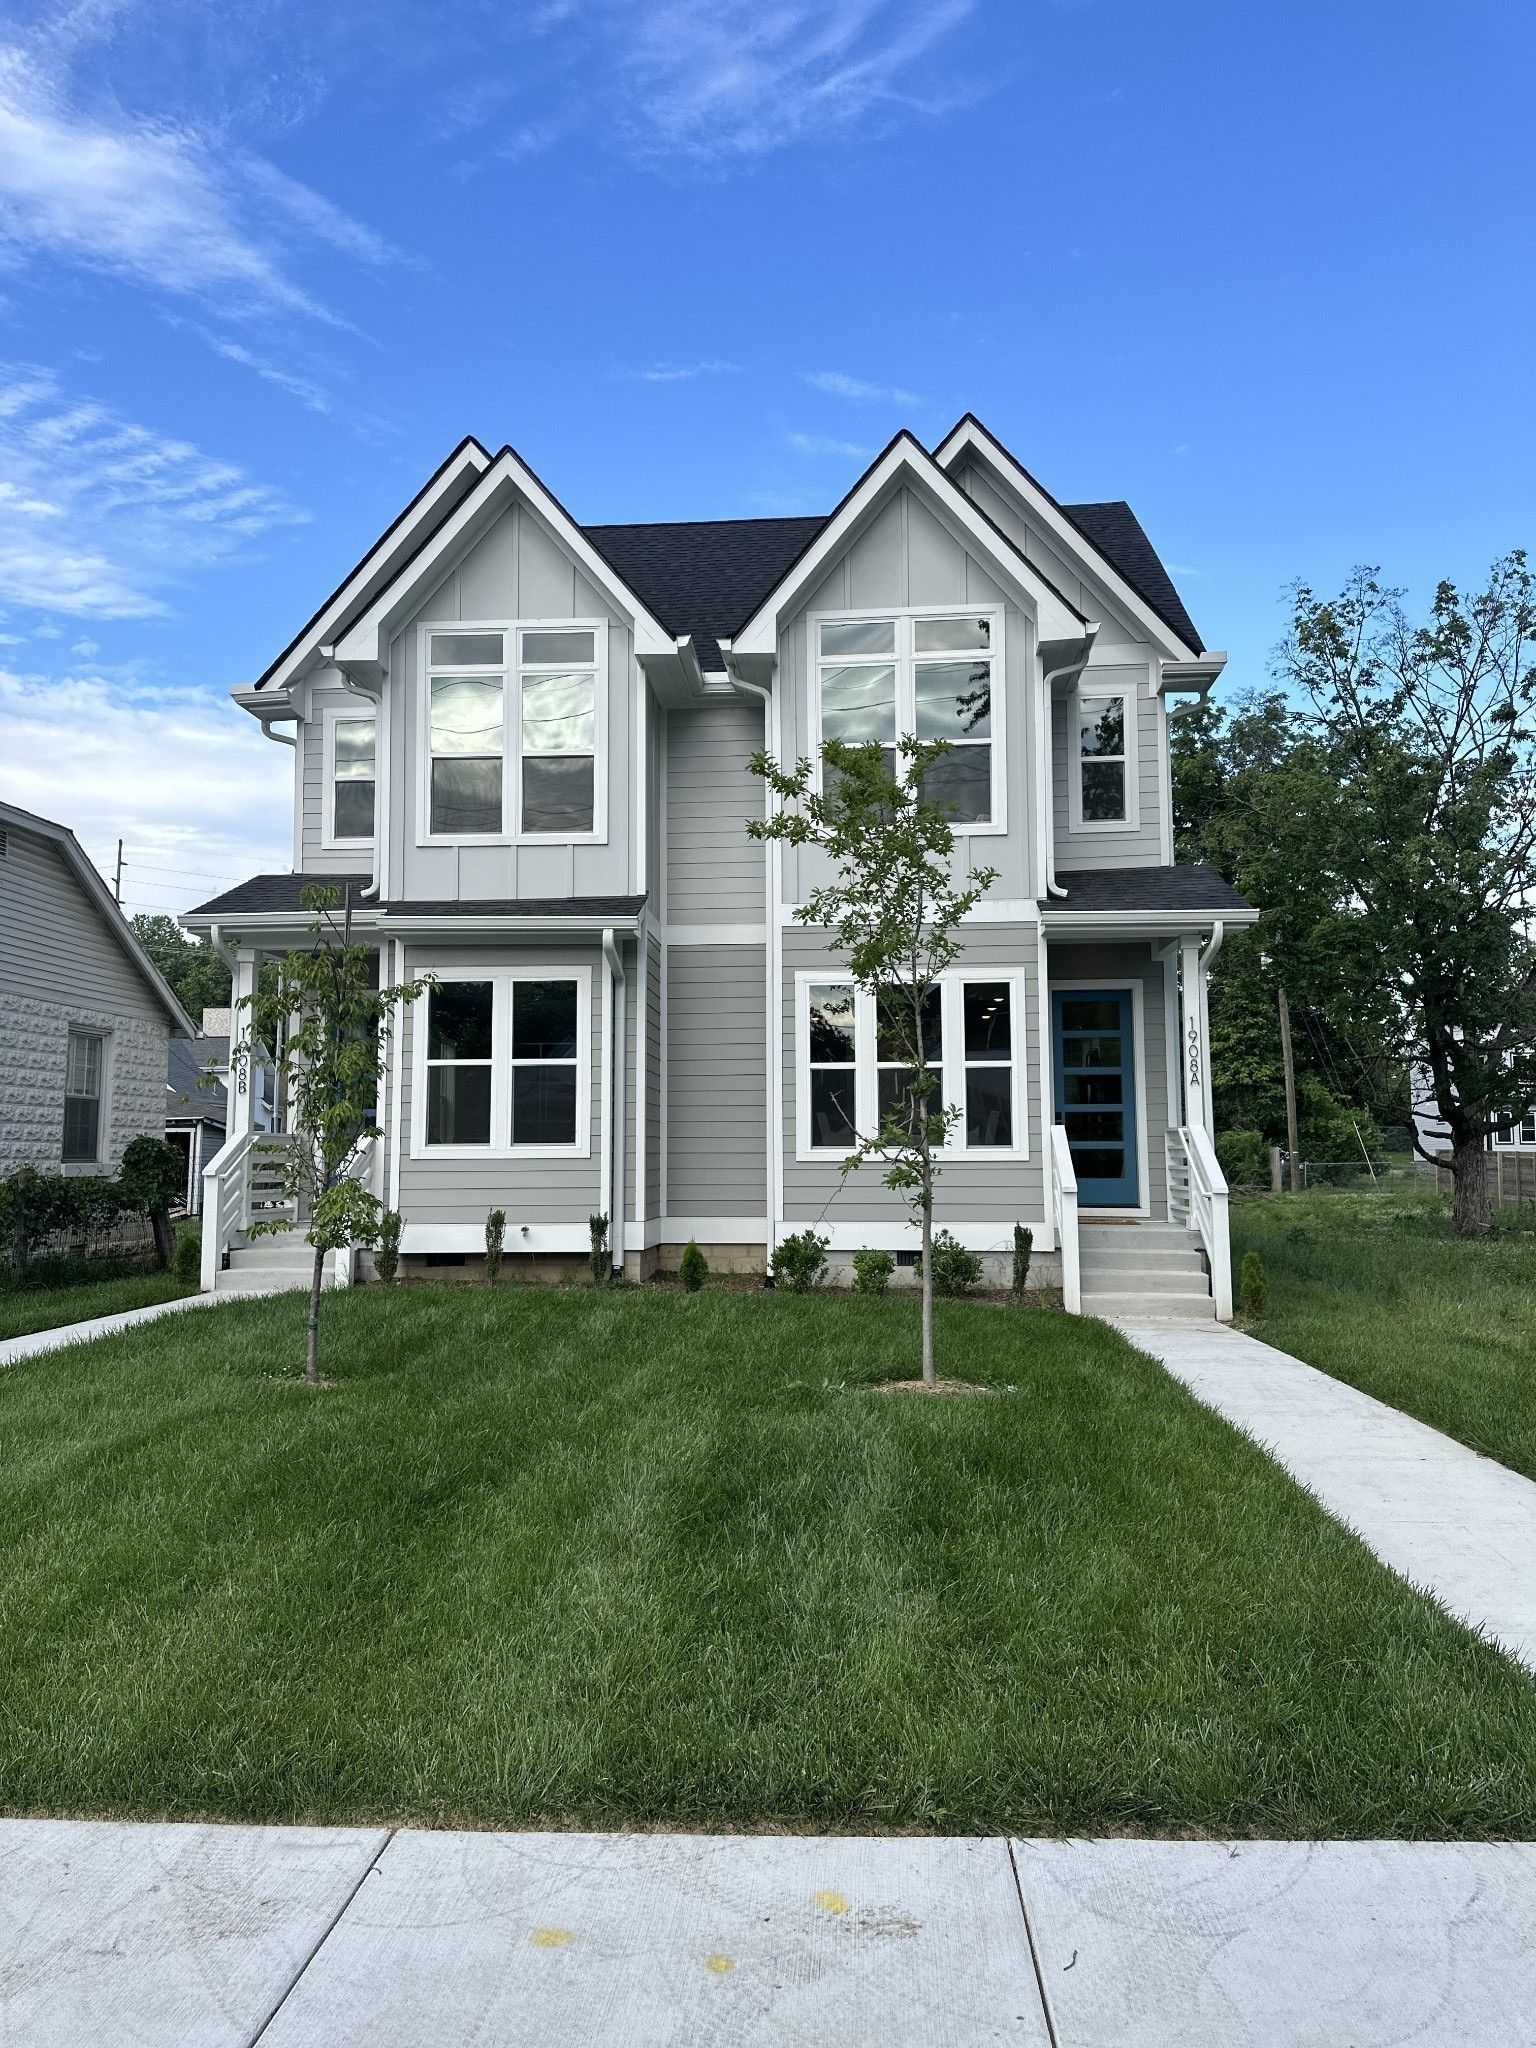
<point>528,695</point>
<point>933,675</point>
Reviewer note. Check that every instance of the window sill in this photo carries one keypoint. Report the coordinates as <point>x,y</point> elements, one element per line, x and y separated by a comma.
<point>511,839</point>
<point>502,1153</point>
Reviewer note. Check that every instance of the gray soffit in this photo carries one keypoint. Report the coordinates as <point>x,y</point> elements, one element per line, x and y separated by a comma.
<point>1195,887</point>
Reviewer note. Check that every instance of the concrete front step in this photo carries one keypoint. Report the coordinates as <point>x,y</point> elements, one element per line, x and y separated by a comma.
<point>1153,1308</point>
<point>1115,1235</point>
<point>1155,1280</point>
<point>1139,1261</point>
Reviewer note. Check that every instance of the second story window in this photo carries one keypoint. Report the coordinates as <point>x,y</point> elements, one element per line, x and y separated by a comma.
<point>930,675</point>
<point>467,736</point>
<point>1101,759</point>
<point>352,778</point>
<point>557,682</point>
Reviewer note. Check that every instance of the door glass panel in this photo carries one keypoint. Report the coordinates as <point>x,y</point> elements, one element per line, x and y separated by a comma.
<point>1098,1165</point>
<point>1095,1127</point>
<point>1091,1052</point>
<point>1079,1015</point>
<point>1091,1088</point>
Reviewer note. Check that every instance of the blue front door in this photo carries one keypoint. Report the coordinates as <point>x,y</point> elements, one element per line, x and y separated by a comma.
<point>1096,1093</point>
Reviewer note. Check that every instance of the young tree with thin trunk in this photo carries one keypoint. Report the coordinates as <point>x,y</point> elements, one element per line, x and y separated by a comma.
<point>332,1026</point>
<point>895,910</point>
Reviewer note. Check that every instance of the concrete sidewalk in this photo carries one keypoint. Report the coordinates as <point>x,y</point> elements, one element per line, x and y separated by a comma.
<point>1457,1525</point>
<point>139,1936</point>
<point>14,1348</point>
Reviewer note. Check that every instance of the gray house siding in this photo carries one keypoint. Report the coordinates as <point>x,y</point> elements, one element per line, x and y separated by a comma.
<point>717,1121</point>
<point>715,873</point>
<point>1116,846</point>
<point>327,693</point>
<point>61,966</point>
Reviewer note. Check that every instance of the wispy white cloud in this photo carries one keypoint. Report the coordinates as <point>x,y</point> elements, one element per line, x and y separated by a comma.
<point>678,373</point>
<point>184,778</point>
<point>837,384</point>
<point>819,444</point>
<point>98,515</point>
<point>307,393</point>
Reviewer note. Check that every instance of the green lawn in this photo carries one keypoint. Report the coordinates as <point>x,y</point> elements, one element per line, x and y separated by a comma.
<point>649,1557</point>
<point>1379,1292</point>
<point>51,1296</point>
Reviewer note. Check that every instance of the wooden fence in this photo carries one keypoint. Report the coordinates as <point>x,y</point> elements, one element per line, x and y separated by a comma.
<point>1511,1176</point>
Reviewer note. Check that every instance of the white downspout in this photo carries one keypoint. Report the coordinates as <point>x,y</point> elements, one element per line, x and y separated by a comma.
<point>773,984</point>
<point>1218,933</point>
<point>616,1057</point>
<point>1048,792</point>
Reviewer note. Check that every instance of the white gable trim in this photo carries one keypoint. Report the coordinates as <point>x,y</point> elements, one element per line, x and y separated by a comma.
<point>970,437</point>
<point>905,461</point>
<point>363,650</point>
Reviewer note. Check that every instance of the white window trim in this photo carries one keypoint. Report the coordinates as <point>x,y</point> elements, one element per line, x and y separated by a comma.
<point>333,716</point>
<point>501,980</point>
<point>511,833</point>
<point>866,1082</point>
<point>103,1156</point>
<point>906,711</point>
<point>1097,693</point>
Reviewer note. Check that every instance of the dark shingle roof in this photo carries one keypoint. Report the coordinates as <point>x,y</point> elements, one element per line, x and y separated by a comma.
<point>1196,886</point>
<point>1117,533</point>
<point>274,892</point>
<point>279,893</point>
<point>704,576</point>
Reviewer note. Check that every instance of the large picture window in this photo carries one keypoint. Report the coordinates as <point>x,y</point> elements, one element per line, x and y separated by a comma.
<point>85,1064</point>
<point>852,1070</point>
<point>503,1063</point>
<point>933,675</point>
<point>512,732</point>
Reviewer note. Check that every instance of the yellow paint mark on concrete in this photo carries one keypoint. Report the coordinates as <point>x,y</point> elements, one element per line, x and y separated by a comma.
<point>830,1902</point>
<point>552,1937</point>
<point>721,1965</point>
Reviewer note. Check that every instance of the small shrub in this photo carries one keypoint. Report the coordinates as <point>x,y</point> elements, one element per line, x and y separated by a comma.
<point>1023,1247</point>
<point>386,1257</point>
<point>872,1272</point>
<point>800,1260</point>
<point>1253,1286</point>
<point>187,1259</point>
<point>495,1241</point>
<point>602,1265</point>
<point>692,1267</point>
<point>955,1270</point>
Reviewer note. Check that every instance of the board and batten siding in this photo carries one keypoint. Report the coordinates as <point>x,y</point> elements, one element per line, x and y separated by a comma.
<point>715,873</point>
<point>993,1194</point>
<point>717,1124</point>
<point>1113,846</point>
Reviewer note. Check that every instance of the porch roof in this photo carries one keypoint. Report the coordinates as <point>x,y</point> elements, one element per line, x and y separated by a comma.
<point>276,900</point>
<point>1195,886</point>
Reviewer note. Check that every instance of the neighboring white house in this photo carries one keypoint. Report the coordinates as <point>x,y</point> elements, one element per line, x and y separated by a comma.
<point>522,746</point>
<point>84,1013</point>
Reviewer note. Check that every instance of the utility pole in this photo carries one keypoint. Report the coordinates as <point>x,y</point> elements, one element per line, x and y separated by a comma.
<point>117,886</point>
<point>1290,1093</point>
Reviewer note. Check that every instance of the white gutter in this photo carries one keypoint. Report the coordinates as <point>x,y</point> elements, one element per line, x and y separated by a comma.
<point>216,940</point>
<point>1199,676</point>
<point>1218,933</point>
<point>617,1072</point>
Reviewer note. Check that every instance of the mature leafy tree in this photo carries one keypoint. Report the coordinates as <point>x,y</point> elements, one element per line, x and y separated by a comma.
<point>332,1025</point>
<point>198,977</point>
<point>152,1177</point>
<point>895,910</point>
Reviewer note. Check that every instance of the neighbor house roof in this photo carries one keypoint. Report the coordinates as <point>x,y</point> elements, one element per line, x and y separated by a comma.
<point>118,927</point>
<point>192,1084</point>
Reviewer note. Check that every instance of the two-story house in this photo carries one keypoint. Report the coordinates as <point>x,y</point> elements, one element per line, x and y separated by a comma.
<point>522,745</point>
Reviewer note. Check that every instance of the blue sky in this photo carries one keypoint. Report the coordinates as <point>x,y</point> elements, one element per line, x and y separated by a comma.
<point>1264,270</point>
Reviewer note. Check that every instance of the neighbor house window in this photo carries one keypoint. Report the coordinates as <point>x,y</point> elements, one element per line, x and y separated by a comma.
<point>1101,760</point>
<point>854,1071</point>
<point>460,1020</point>
<point>557,682</point>
<point>82,1096</point>
<point>353,781</point>
<point>545,1060</point>
<point>929,675</point>
<point>467,734</point>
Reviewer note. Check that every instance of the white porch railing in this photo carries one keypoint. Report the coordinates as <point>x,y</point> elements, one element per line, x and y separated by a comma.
<point>1064,1214</point>
<point>366,1167</point>
<point>1197,1198</point>
<point>225,1187</point>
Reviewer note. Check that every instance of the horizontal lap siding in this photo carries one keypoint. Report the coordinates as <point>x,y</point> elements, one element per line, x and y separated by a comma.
<point>715,873</point>
<point>717,1081</point>
<point>1115,849</point>
<point>317,859</point>
<point>1001,1192</point>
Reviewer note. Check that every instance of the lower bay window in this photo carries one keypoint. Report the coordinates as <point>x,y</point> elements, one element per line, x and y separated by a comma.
<point>851,1068</point>
<point>503,1067</point>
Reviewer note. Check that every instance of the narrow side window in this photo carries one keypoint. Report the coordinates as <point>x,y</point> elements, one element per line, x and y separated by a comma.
<point>82,1097</point>
<point>353,790</point>
<point>467,737</point>
<point>988,1010</point>
<point>833,1070</point>
<point>459,1017</point>
<point>544,1062</point>
<point>1101,758</point>
<point>558,685</point>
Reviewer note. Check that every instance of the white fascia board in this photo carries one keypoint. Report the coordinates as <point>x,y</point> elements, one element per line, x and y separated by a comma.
<point>363,650</point>
<point>457,476</point>
<point>905,461</point>
<point>272,924</point>
<point>1109,925</point>
<point>970,437</point>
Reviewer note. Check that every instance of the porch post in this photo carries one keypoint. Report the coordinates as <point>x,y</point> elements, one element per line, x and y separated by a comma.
<point>241,1087</point>
<point>1194,1035</point>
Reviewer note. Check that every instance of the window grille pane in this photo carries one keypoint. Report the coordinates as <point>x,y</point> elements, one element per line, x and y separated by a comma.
<point>466,715</point>
<point>1103,731</point>
<point>895,1027</point>
<point>860,636</point>
<point>832,1107</point>
<point>84,1064</point>
<point>858,704</point>
<point>544,1020</point>
<point>466,796</point>
<point>895,1097</point>
<point>478,650</point>
<point>960,785</point>
<point>988,1021</point>
<point>557,793</point>
<point>81,1122</point>
<point>354,749</point>
<point>1103,790</point>
<point>354,810</point>
<point>559,714</point>
<point>544,1105</point>
<point>832,1026</point>
<point>989,1106</point>
<point>458,1105</point>
<point>554,647</point>
<point>938,636</point>
<point>954,700</point>
<point>459,1021</point>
